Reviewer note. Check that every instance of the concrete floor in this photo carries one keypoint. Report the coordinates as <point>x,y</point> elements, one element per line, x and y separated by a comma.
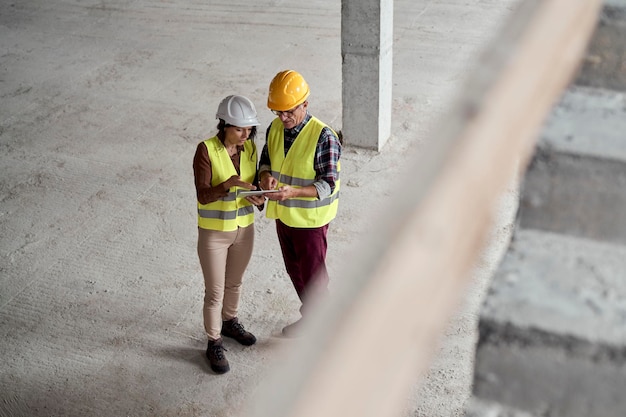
<point>103,103</point>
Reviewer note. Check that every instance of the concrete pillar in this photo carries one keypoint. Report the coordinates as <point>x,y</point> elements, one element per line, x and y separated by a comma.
<point>366,49</point>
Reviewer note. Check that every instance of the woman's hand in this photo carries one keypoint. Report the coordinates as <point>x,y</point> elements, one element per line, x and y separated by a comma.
<point>257,200</point>
<point>235,181</point>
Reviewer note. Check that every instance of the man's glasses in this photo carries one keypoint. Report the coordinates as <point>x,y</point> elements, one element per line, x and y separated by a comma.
<point>287,113</point>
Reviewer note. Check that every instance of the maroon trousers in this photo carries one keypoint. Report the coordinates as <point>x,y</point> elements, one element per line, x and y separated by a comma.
<point>304,254</point>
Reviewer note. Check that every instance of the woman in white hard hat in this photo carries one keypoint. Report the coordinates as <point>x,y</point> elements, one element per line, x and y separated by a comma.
<point>224,165</point>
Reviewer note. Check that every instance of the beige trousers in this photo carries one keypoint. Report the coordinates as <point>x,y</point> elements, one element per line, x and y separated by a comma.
<point>224,257</point>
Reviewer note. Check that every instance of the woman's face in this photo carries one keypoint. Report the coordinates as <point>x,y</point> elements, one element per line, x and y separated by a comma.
<point>235,135</point>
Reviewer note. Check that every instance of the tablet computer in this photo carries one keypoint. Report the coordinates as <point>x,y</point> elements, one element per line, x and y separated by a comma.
<point>254,192</point>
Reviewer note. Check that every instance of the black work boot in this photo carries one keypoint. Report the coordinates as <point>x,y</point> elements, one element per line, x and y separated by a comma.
<point>215,353</point>
<point>232,328</point>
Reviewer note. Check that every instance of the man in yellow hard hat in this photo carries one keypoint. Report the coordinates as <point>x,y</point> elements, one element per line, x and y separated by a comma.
<point>301,160</point>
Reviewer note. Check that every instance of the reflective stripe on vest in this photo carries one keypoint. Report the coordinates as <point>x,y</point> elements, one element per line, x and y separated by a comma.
<point>296,170</point>
<point>229,212</point>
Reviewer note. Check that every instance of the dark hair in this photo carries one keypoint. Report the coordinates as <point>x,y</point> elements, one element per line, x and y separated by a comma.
<point>223,125</point>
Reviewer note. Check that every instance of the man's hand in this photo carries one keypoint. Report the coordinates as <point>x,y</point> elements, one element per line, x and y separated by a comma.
<point>283,193</point>
<point>267,181</point>
<point>257,200</point>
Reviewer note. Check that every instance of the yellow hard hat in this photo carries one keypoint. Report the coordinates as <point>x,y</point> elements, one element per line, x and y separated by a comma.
<point>288,89</point>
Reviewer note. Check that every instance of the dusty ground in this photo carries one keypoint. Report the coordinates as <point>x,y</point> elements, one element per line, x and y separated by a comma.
<point>102,106</point>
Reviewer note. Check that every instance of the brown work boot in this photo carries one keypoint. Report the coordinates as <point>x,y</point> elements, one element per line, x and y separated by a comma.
<point>232,328</point>
<point>215,353</point>
<point>294,329</point>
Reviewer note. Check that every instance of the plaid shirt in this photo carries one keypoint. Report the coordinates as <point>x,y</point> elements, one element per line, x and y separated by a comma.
<point>327,153</point>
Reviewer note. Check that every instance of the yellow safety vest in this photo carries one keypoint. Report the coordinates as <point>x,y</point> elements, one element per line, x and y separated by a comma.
<point>296,170</point>
<point>230,212</point>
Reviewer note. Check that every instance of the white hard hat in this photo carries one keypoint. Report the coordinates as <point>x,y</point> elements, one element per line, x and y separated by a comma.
<point>237,111</point>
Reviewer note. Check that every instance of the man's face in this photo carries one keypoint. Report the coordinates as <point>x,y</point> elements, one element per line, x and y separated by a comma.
<point>293,117</point>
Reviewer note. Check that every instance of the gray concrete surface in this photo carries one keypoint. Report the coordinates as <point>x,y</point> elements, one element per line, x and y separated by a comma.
<point>478,407</point>
<point>604,66</point>
<point>552,328</point>
<point>579,170</point>
<point>103,103</point>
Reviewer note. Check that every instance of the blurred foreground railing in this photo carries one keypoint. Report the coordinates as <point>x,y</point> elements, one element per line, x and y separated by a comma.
<point>407,285</point>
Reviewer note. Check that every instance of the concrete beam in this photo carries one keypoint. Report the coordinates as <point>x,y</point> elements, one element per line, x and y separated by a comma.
<point>366,49</point>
